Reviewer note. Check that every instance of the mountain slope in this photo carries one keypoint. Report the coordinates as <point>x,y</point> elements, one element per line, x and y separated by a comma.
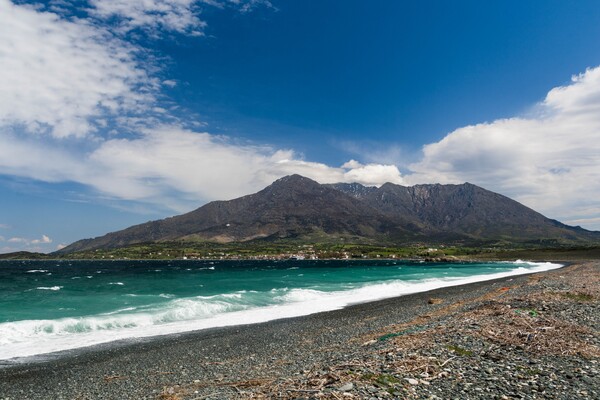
<point>465,209</point>
<point>292,206</point>
<point>298,208</point>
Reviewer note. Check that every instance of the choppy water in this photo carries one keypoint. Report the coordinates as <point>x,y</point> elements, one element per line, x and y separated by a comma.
<point>47,306</point>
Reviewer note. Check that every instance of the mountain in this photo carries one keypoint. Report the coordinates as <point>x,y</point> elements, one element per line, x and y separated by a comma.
<point>291,207</point>
<point>466,210</point>
<point>298,208</point>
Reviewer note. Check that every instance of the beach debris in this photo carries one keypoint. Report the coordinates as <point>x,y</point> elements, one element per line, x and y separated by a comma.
<point>170,393</point>
<point>435,300</point>
<point>460,351</point>
<point>455,346</point>
<point>532,313</point>
<point>410,330</point>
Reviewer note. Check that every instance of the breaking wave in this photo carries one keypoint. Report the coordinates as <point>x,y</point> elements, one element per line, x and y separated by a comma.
<point>33,337</point>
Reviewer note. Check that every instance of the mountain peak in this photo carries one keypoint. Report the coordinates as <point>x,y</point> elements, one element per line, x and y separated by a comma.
<point>294,178</point>
<point>298,208</point>
<point>292,182</point>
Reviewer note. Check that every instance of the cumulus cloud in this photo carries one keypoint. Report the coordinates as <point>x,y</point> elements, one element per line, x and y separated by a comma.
<point>72,78</point>
<point>65,70</point>
<point>61,76</point>
<point>175,166</point>
<point>45,240</point>
<point>171,159</point>
<point>20,243</point>
<point>67,76</point>
<point>204,166</point>
<point>549,159</point>
<point>371,174</point>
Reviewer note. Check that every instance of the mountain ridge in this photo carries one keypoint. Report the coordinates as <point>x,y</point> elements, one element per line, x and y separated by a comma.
<point>296,208</point>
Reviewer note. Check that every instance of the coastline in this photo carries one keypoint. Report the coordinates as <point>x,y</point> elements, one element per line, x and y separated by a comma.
<point>204,363</point>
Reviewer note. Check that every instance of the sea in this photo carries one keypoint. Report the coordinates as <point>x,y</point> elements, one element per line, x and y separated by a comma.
<point>52,306</point>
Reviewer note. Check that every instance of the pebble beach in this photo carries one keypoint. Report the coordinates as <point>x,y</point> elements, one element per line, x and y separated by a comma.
<point>525,337</point>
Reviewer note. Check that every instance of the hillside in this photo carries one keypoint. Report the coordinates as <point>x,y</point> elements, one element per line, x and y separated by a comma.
<point>467,210</point>
<point>298,208</point>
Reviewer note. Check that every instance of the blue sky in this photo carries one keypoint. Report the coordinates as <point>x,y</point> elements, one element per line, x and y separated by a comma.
<point>115,112</point>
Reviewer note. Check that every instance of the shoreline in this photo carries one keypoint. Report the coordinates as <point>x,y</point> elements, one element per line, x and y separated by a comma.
<point>182,364</point>
<point>263,315</point>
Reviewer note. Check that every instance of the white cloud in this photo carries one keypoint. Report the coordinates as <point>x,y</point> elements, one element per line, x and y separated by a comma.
<point>371,174</point>
<point>549,160</point>
<point>35,159</point>
<point>249,5</point>
<point>173,15</point>
<point>585,222</point>
<point>204,166</point>
<point>25,244</point>
<point>69,77</point>
<point>173,166</point>
<point>20,240</point>
<point>44,240</point>
<point>169,83</point>
<point>60,76</point>
<point>180,16</point>
<point>66,77</point>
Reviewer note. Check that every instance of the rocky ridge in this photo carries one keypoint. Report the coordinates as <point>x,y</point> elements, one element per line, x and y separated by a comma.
<point>299,209</point>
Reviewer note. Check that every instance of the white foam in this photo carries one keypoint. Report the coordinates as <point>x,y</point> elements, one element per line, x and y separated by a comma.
<point>116,283</point>
<point>34,337</point>
<point>53,288</point>
<point>32,271</point>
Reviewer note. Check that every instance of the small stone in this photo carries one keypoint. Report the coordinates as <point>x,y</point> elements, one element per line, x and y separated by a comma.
<point>347,387</point>
<point>412,381</point>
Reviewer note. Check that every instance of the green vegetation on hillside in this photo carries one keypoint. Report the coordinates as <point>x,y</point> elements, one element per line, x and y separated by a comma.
<point>284,250</point>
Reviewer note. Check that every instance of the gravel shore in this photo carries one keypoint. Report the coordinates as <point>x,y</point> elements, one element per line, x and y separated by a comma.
<point>528,337</point>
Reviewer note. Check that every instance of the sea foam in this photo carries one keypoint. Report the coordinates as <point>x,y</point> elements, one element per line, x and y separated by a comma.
<point>34,337</point>
<point>53,288</point>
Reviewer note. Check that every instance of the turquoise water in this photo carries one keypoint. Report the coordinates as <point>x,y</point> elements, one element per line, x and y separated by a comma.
<point>48,306</point>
